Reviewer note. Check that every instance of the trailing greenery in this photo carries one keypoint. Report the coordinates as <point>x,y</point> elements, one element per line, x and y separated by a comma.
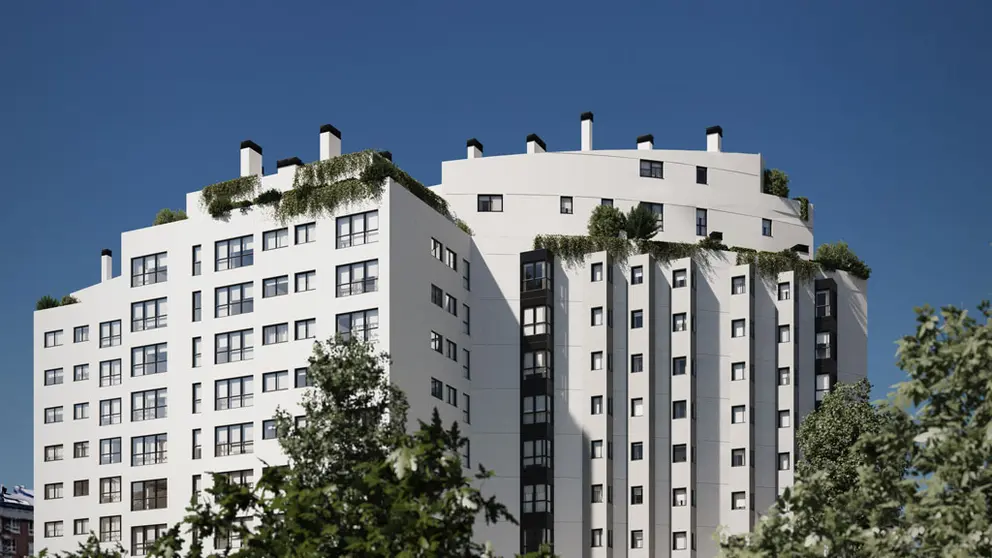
<point>770,264</point>
<point>803,208</point>
<point>167,215</point>
<point>46,302</point>
<point>775,182</point>
<point>840,256</point>
<point>464,226</point>
<point>220,198</point>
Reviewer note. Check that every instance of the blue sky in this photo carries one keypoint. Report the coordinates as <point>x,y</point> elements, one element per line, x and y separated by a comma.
<point>110,111</point>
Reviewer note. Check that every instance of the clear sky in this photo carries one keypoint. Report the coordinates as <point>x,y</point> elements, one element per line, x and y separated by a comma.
<point>110,111</point>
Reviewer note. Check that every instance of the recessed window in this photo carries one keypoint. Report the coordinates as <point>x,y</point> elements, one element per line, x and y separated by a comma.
<point>738,285</point>
<point>596,318</point>
<point>306,233</point>
<point>784,461</point>
<point>784,419</point>
<point>738,501</point>
<point>81,334</point>
<point>363,325</point>
<point>490,203</point>
<point>536,409</point>
<point>306,281</point>
<point>679,540</point>
<point>54,453</point>
<point>822,345</point>
<point>234,346</point>
<point>678,366</point>
<point>679,321</point>
<point>466,275</point>
<point>637,319</point>
<point>80,411</point>
<point>606,201</point>
<point>822,303</point>
<point>737,457</point>
<point>148,270</point>
<point>451,350</point>
<point>110,373</point>
<point>54,377</point>
<point>596,405</point>
<point>272,240</point>
<point>636,495</point>
<point>197,398</point>
<point>451,259</point>
<point>197,352</point>
<point>452,395</point>
<point>197,260</point>
<point>679,453</point>
<point>149,495</point>
<point>597,272</point>
<point>80,372</point>
<point>234,439</point>
<point>738,328</point>
<point>275,381</point>
<point>679,409</point>
<point>234,393</point>
<point>234,253</point>
<point>637,539</point>
<point>537,321</point>
<point>234,300</point>
<point>566,205</point>
<point>275,286</point>
<point>110,451</point>
<point>54,414</point>
<point>150,359</point>
<point>784,291</point>
<point>784,334</point>
<point>597,494</point>
<point>358,229</point>
<point>110,334</point>
<point>766,227</point>
<point>737,371</point>
<point>679,277</point>
<point>596,360</point>
<point>451,304</point>
<point>535,276</point>
<point>536,363</point>
<point>636,275</point>
<point>437,389</point>
<point>637,407</point>
<point>301,378</point>
<point>148,405</point>
<point>652,169</point>
<point>54,338</point>
<point>737,414</point>
<point>636,363</point>
<point>53,529</point>
<point>269,431</point>
<point>701,175</point>
<point>596,538</point>
<point>701,222</point>
<point>357,278</point>
<point>679,498</point>
<point>596,449</point>
<point>783,376</point>
<point>306,329</point>
<point>149,450</point>
<point>197,306</point>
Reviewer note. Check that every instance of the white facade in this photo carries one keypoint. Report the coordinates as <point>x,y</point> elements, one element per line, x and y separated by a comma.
<point>640,511</point>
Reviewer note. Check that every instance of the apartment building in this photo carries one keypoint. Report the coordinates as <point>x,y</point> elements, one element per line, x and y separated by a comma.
<point>16,522</point>
<point>628,407</point>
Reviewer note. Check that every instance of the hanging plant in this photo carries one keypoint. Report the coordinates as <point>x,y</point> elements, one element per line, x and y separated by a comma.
<point>770,264</point>
<point>464,226</point>
<point>219,198</point>
<point>803,208</point>
<point>840,256</point>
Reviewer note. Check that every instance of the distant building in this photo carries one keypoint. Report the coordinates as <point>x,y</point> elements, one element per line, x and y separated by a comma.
<point>16,522</point>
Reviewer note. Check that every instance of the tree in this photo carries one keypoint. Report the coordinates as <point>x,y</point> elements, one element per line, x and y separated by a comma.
<point>776,183</point>
<point>607,221</point>
<point>840,256</point>
<point>46,302</point>
<point>92,548</point>
<point>167,215</point>
<point>641,223</point>
<point>924,487</point>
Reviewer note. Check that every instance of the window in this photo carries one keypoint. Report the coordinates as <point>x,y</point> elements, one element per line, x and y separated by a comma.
<point>536,409</point>
<point>110,411</point>
<point>466,322</point>
<point>535,276</point>
<point>783,376</point>
<point>306,281</point>
<point>148,450</point>
<point>148,405</point>
<point>597,494</point>
<point>306,233</point>
<point>233,393</point>
<point>197,306</point>
<point>302,378</point>
<point>537,452</point>
<point>451,350</point>
<point>596,360</point>
<point>272,240</point>
<point>606,201</point>
<point>637,539</point>
<point>636,495</point>
<point>784,419</point>
<point>275,381</point>
<point>537,498</point>
<point>143,538</point>
<point>679,498</point>
<point>235,439</point>
<point>536,363</point>
<point>79,527</point>
<point>358,229</point>
<point>110,528</point>
<point>637,451</point>
<point>737,501</point>
<point>437,342</point>
<point>636,275</point>
<point>80,450</point>
<point>150,359</point>
<point>736,371</point>
<point>822,386</point>
<point>53,376</point>
<point>466,276</point>
<point>110,334</point>
<point>597,272</point>
<point>678,322</point>
<point>110,451</point>
<point>537,320</point>
<point>437,249</point>
<point>466,364</point>
<point>784,291</point>
<point>700,222</point>
<point>363,325</point>
<point>738,285</point>
<point>451,305</point>
<point>80,411</point>
<point>233,300</point>
<point>80,372</point>
<point>658,210</point>
<point>822,304</point>
<point>738,328</point>
<point>269,430</point>
<point>596,316</point>
<point>784,334</point>
<point>148,270</point>
<point>466,408</point>
<point>679,409</point>
<point>234,253</point>
<point>197,443</point>
<point>566,205</point>
<point>679,453</point>
<point>490,203</point>
<point>54,491</point>
<point>197,487</point>
<point>678,366</point>
<point>53,338</point>
<point>149,495</point>
<point>53,529</point>
<point>451,259</point>
<point>197,260</point>
<point>234,346</point>
<point>81,488</point>
<point>81,334</point>
<point>275,286</point>
<point>737,457</point>
<point>452,396</point>
<point>784,461</point>
<point>737,414</point>
<point>437,296</point>
<point>822,345</point>
<point>637,319</point>
<point>197,352</point>
<point>357,278</point>
<point>652,169</point>
<point>437,388</point>
<point>53,453</point>
<point>596,405</point>
<point>679,278</point>
<point>597,538</point>
<point>110,490</point>
<point>766,227</point>
<point>306,329</point>
<point>149,314</point>
<point>701,175</point>
<point>636,363</point>
<point>240,478</point>
<point>110,373</point>
<point>197,398</point>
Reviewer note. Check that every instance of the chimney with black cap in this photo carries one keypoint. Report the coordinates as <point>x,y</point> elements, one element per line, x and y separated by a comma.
<point>473,148</point>
<point>535,144</point>
<point>251,158</point>
<point>714,139</point>
<point>288,165</point>
<point>645,142</point>
<point>586,120</point>
<point>330,142</point>
<point>106,265</point>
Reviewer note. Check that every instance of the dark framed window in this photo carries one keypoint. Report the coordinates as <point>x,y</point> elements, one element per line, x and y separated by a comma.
<point>652,169</point>
<point>680,453</point>
<point>306,233</point>
<point>362,325</point>
<point>149,404</point>
<point>536,363</point>
<point>197,260</point>
<point>679,409</point>
<point>110,334</point>
<point>275,286</point>
<point>143,538</point>
<point>535,276</point>
<point>636,363</point>
<point>272,240</point>
<point>149,314</point>
<point>358,229</point>
<point>149,359</point>
<point>306,329</point>
<point>357,278</point>
<point>234,253</point>
<point>233,300</point>
<point>490,203</point>
<point>766,227</point>
<point>678,366</point>
<point>234,346</point>
<point>149,450</point>
<point>234,393</point>
<point>110,373</point>
<point>306,281</point>
<point>150,495</point>
<point>702,175</point>
<point>566,205</point>
<point>302,378</point>
<point>148,270</point>
<point>701,222</point>
<point>234,439</point>
<point>658,210</point>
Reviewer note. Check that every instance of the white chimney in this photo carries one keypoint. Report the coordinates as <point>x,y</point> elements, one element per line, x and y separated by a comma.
<point>714,139</point>
<point>251,158</point>
<point>288,164</point>
<point>645,142</point>
<point>106,265</point>
<point>473,148</point>
<point>586,119</point>
<point>330,142</point>
<point>535,144</point>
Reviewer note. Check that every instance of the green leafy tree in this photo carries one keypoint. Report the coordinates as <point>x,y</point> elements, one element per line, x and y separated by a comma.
<point>91,548</point>
<point>924,487</point>
<point>607,221</point>
<point>641,223</point>
<point>167,215</point>
<point>46,302</point>
<point>776,183</point>
<point>840,256</point>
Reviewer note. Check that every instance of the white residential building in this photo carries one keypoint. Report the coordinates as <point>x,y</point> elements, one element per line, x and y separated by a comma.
<point>627,408</point>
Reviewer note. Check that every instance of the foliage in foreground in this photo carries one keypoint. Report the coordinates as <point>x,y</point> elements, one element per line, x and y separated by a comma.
<point>924,487</point>
<point>49,301</point>
<point>167,215</point>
